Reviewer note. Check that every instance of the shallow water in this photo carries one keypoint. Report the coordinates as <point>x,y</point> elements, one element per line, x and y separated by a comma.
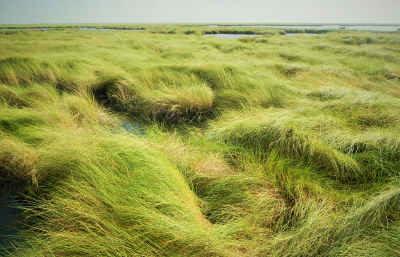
<point>229,36</point>
<point>134,128</point>
<point>9,213</point>
<point>383,28</point>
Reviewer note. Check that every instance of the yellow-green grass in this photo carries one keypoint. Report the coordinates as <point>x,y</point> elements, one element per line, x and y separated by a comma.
<point>266,146</point>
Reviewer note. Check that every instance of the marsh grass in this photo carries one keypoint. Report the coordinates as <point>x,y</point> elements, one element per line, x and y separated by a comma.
<point>270,134</point>
<point>17,70</point>
<point>269,146</point>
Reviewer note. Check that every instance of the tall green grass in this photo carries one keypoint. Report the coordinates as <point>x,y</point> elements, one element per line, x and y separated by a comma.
<point>163,142</point>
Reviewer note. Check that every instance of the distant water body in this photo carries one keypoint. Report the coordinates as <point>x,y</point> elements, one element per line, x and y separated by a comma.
<point>383,28</point>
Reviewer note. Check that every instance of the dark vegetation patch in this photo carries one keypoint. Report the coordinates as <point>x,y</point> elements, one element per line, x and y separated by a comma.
<point>190,32</point>
<point>11,32</point>
<point>391,76</point>
<point>12,98</point>
<point>290,57</point>
<point>13,122</point>
<point>245,32</point>
<point>168,32</point>
<point>358,40</point>
<point>373,118</point>
<point>102,91</point>
<point>325,94</point>
<point>321,47</point>
<point>289,71</point>
<point>304,31</point>
<point>253,40</point>
<point>355,147</point>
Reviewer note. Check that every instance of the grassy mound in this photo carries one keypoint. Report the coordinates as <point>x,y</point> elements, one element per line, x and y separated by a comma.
<point>265,132</point>
<point>138,206</point>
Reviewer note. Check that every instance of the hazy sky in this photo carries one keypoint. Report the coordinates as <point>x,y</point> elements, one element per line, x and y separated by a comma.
<point>207,11</point>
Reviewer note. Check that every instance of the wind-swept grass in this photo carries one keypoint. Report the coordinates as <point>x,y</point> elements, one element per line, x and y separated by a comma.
<point>263,132</point>
<point>17,70</point>
<point>151,212</point>
<point>265,146</point>
<point>329,233</point>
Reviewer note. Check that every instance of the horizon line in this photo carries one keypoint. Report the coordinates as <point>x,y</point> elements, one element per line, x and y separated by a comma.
<point>207,23</point>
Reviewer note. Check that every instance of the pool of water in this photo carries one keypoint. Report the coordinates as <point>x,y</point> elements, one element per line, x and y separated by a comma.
<point>94,29</point>
<point>229,36</point>
<point>384,28</point>
<point>134,128</point>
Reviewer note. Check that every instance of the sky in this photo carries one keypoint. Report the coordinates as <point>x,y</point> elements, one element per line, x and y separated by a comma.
<point>204,11</point>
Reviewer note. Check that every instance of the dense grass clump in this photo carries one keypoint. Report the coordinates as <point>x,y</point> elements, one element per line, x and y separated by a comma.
<point>17,70</point>
<point>170,103</point>
<point>266,136</point>
<point>128,219</point>
<point>163,142</point>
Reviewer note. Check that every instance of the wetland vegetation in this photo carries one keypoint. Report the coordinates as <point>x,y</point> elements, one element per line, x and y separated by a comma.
<point>167,143</point>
